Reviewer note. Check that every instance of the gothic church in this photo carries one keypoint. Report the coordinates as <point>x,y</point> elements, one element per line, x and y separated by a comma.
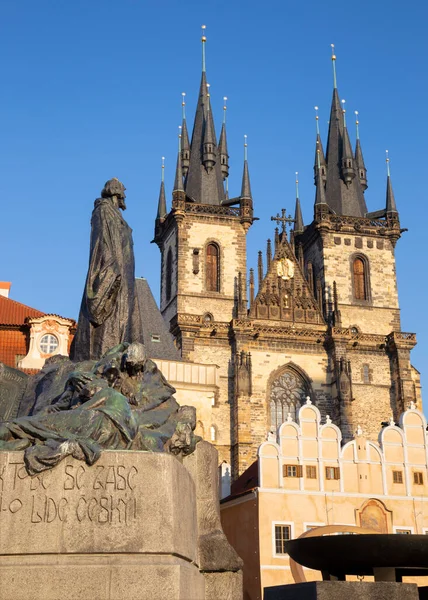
<point>320,318</point>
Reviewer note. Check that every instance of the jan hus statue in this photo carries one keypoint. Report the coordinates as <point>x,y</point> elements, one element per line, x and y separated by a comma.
<point>109,312</point>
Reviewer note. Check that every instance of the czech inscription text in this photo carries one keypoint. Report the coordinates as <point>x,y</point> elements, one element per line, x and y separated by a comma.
<point>101,494</point>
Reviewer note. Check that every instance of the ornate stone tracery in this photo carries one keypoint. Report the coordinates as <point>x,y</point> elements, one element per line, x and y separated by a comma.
<point>287,393</point>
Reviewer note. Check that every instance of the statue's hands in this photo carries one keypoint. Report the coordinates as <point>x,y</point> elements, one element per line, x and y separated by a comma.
<point>78,380</point>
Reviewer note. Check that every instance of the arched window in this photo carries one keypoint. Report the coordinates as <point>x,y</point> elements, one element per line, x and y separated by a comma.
<point>287,393</point>
<point>168,275</point>
<point>212,264</point>
<point>360,279</point>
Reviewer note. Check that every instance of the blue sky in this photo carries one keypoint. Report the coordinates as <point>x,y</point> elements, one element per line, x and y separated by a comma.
<point>92,90</point>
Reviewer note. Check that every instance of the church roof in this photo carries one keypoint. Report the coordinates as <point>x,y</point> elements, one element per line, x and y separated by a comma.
<point>156,337</point>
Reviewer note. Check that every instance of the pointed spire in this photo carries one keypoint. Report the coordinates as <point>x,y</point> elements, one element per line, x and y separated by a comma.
<point>246,187</point>
<point>348,171</point>
<point>204,180</point>
<point>298,219</point>
<point>209,144</point>
<point>359,159</point>
<point>391,207</point>
<point>320,192</point>
<point>268,254</point>
<point>222,144</point>
<point>260,268</point>
<point>178,183</point>
<point>162,212</point>
<point>319,152</point>
<point>342,189</point>
<point>251,287</point>
<point>185,146</point>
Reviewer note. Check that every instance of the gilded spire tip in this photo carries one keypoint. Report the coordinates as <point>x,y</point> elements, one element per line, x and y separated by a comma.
<point>344,112</point>
<point>387,163</point>
<point>333,60</point>
<point>357,123</point>
<point>183,104</point>
<point>317,119</point>
<point>245,147</point>
<point>163,169</point>
<point>203,40</point>
<point>297,185</point>
<point>224,108</point>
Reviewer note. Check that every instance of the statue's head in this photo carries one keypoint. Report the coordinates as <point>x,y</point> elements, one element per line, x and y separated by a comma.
<point>135,357</point>
<point>113,187</point>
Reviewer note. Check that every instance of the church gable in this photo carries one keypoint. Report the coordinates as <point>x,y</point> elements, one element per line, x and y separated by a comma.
<point>284,294</point>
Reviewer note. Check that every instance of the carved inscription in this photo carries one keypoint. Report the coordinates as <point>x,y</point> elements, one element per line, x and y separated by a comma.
<point>72,493</point>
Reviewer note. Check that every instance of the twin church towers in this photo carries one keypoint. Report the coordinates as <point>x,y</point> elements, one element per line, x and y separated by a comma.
<point>320,318</point>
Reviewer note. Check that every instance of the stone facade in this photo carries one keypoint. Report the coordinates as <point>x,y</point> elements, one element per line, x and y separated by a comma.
<point>321,321</point>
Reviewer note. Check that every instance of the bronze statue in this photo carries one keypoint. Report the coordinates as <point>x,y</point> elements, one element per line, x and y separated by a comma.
<point>109,311</point>
<point>123,403</point>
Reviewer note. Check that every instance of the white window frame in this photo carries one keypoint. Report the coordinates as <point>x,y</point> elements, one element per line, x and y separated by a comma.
<point>278,523</point>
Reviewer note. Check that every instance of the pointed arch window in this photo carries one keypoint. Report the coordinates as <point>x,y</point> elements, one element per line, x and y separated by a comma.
<point>360,278</point>
<point>168,275</point>
<point>287,394</point>
<point>212,264</point>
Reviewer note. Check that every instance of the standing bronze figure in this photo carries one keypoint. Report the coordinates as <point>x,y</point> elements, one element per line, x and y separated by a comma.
<point>109,311</point>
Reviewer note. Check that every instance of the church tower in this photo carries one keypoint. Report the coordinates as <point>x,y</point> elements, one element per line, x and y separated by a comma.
<point>320,320</point>
<point>349,252</point>
<point>202,238</point>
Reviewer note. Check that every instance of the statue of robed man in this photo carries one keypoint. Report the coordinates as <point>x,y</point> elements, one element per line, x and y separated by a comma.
<point>109,312</point>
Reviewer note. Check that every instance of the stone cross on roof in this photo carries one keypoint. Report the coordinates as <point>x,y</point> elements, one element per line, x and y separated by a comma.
<point>284,220</point>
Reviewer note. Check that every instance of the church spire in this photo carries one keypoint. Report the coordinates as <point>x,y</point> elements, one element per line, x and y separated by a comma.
<point>185,146</point>
<point>162,212</point>
<point>178,183</point>
<point>343,190</point>
<point>359,159</point>
<point>298,219</point>
<point>391,207</point>
<point>204,180</point>
<point>318,147</point>
<point>222,144</point>
<point>246,187</point>
<point>348,171</point>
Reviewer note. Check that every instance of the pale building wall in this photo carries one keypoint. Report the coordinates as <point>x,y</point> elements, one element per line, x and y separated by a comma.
<point>53,325</point>
<point>365,491</point>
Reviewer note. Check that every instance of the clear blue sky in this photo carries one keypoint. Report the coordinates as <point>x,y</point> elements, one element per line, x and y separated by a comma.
<point>92,90</point>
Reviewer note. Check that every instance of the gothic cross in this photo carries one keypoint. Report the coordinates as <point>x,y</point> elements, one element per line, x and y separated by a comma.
<point>283,219</point>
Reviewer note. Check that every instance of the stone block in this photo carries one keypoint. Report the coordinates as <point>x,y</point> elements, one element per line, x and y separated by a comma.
<point>343,590</point>
<point>123,529</point>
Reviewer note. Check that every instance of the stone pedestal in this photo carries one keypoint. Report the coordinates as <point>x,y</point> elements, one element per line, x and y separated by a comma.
<point>341,590</point>
<point>123,529</point>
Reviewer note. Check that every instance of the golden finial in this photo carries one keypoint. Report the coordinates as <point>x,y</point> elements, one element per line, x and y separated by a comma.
<point>203,40</point>
<point>245,147</point>
<point>163,169</point>
<point>357,122</point>
<point>387,162</point>
<point>183,104</point>
<point>224,108</point>
<point>333,58</point>
<point>297,184</point>
<point>317,119</point>
<point>344,112</point>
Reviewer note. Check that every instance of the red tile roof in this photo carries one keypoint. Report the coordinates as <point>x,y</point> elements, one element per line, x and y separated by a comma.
<point>15,313</point>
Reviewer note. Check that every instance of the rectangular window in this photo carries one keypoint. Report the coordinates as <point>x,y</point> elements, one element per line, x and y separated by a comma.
<point>418,478</point>
<point>403,531</point>
<point>332,473</point>
<point>282,534</point>
<point>155,338</point>
<point>397,476</point>
<point>311,472</point>
<point>292,471</point>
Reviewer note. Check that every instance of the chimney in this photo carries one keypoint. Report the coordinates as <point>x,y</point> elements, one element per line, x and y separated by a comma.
<point>5,288</point>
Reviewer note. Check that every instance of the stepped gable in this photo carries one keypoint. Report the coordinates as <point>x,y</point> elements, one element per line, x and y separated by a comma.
<point>284,294</point>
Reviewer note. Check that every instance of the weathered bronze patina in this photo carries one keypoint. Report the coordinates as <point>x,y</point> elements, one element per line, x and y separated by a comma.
<point>122,402</point>
<point>109,312</point>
